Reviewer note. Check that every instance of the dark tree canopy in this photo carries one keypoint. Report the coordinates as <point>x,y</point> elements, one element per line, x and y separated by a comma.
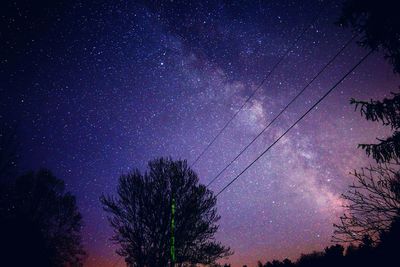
<point>141,216</point>
<point>379,23</point>
<point>40,224</point>
<point>373,201</point>
<point>365,254</point>
<point>388,113</point>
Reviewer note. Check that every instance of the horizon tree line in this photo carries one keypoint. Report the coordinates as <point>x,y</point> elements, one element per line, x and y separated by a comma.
<point>39,218</point>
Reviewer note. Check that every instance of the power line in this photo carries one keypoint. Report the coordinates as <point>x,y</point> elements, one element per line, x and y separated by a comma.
<point>262,82</point>
<point>285,108</point>
<point>248,99</point>
<point>308,111</point>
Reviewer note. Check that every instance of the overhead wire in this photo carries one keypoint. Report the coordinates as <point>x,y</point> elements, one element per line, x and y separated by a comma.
<point>314,20</point>
<point>296,122</point>
<point>274,67</point>
<point>285,108</point>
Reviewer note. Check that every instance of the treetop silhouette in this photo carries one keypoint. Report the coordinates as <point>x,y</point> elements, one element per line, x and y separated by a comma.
<point>379,24</point>
<point>40,222</point>
<point>141,216</point>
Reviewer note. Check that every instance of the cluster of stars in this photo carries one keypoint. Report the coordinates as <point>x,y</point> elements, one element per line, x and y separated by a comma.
<point>98,90</point>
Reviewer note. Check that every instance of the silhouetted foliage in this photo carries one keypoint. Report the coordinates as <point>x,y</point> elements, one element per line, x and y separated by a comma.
<point>387,249</point>
<point>379,24</point>
<point>141,216</point>
<point>220,265</point>
<point>388,113</point>
<point>276,263</point>
<point>378,21</point>
<point>313,259</point>
<point>40,224</point>
<point>372,213</point>
<point>365,254</point>
<point>373,202</point>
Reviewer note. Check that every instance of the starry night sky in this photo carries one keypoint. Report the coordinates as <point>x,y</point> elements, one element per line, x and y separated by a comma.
<point>98,89</point>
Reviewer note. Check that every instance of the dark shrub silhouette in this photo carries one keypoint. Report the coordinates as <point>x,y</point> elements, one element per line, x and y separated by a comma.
<point>373,202</point>
<point>383,253</point>
<point>313,259</point>
<point>40,223</point>
<point>141,216</point>
<point>364,254</point>
<point>388,249</point>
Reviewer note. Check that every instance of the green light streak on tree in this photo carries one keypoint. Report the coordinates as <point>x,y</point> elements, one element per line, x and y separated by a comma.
<point>172,232</point>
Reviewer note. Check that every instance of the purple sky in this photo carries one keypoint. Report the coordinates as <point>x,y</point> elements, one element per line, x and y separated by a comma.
<point>100,89</point>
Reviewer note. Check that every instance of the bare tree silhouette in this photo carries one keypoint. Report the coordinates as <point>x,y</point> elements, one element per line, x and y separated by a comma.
<point>373,203</point>
<point>141,216</point>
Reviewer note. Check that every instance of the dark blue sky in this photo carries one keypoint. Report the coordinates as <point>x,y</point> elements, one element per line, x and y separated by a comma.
<point>99,88</point>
